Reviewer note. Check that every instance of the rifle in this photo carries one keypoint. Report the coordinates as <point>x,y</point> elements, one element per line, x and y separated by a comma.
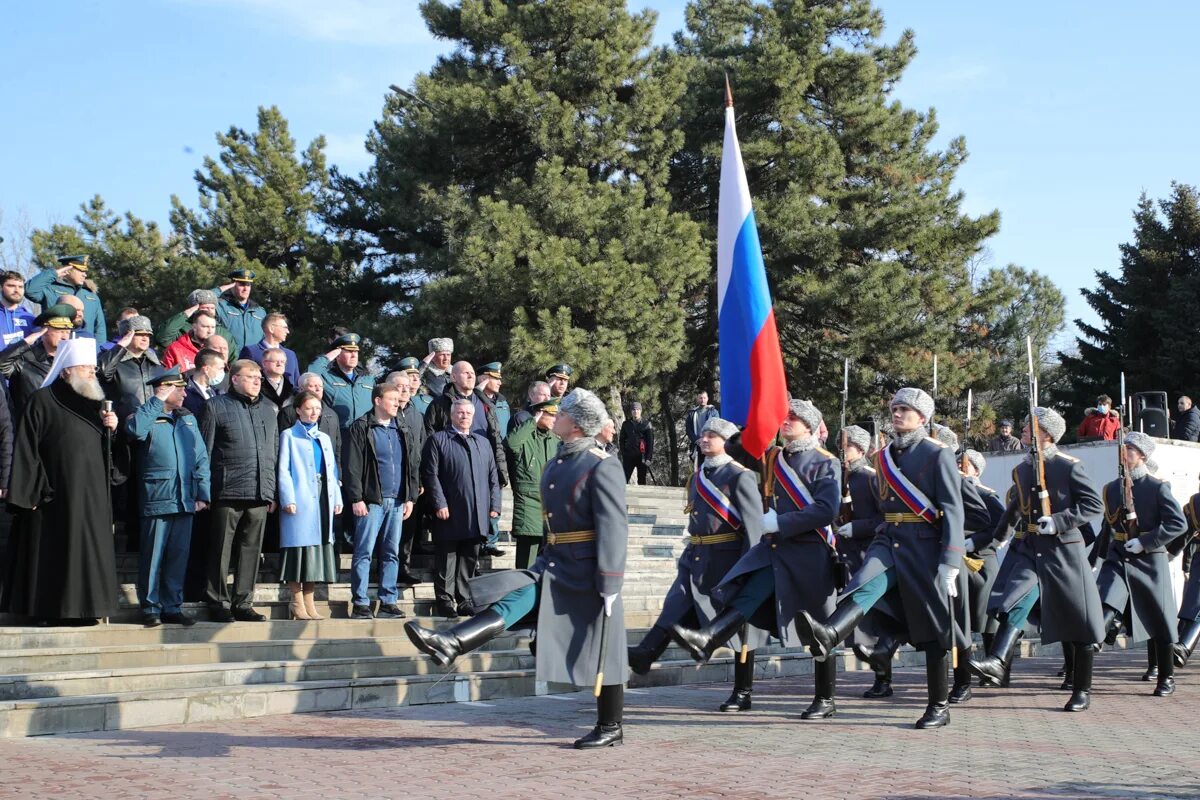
<point>1035,442</point>
<point>934,393</point>
<point>963,460</point>
<point>1128,512</point>
<point>847,511</point>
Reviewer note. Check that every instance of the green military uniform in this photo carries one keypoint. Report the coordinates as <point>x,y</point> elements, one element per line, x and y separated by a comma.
<point>529,449</point>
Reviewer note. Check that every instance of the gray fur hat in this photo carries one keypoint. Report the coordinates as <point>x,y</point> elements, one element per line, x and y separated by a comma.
<point>585,409</point>
<point>977,460</point>
<point>442,345</point>
<point>1151,466</point>
<point>859,437</point>
<point>135,323</point>
<point>202,297</point>
<point>1051,422</point>
<point>1144,444</point>
<point>946,436</point>
<point>807,413</point>
<point>916,399</point>
<point>721,427</point>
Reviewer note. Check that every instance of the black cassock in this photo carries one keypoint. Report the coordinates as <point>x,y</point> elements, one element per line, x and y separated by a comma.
<point>63,565</point>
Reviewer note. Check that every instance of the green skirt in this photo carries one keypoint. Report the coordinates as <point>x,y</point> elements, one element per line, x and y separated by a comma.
<point>313,564</point>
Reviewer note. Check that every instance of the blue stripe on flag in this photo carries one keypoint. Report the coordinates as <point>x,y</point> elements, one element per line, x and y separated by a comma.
<point>741,319</point>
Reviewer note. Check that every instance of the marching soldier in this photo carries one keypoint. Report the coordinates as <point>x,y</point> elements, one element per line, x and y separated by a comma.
<point>1189,608</point>
<point>917,552</point>
<point>980,547</point>
<point>725,521</point>
<point>1135,580</point>
<point>1047,559</point>
<point>791,568</point>
<point>572,592</point>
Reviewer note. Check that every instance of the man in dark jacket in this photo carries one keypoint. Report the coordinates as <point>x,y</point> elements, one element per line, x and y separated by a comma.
<point>412,431</point>
<point>379,488</point>
<point>26,362</point>
<point>126,370</point>
<point>637,444</point>
<point>203,382</point>
<point>277,388</point>
<point>1187,424</point>
<point>458,472</point>
<point>242,437</point>
<point>462,386</point>
<point>1004,441</point>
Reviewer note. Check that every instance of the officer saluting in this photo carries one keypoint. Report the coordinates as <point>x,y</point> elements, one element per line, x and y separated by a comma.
<point>725,521</point>
<point>917,552</point>
<point>572,592</point>
<point>1135,580</point>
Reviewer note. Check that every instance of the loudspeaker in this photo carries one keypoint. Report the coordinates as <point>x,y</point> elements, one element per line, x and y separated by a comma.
<point>1150,414</point>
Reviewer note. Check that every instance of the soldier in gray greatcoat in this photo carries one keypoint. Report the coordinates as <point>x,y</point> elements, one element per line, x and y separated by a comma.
<point>791,569</point>
<point>1047,559</point>
<point>979,546</point>
<point>724,521</point>
<point>917,553</point>
<point>1189,607</point>
<point>571,594</point>
<point>1135,579</point>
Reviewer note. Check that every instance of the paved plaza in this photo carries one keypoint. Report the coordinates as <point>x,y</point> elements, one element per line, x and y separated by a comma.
<point>1013,743</point>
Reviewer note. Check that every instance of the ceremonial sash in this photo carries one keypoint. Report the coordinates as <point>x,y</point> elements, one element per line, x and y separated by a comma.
<point>917,502</point>
<point>798,493</point>
<point>721,505</point>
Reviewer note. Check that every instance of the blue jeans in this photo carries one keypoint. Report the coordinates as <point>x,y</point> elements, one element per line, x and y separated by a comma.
<point>164,543</point>
<point>386,520</point>
<point>494,537</point>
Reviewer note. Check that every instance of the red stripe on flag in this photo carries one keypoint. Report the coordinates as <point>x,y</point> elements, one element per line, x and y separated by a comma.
<point>768,393</point>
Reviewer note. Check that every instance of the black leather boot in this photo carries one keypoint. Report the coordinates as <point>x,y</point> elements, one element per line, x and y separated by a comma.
<point>1081,678</point>
<point>445,646</point>
<point>644,654</point>
<point>822,639</point>
<point>937,680</point>
<point>880,659</point>
<point>992,665</point>
<point>1151,672</point>
<point>1189,635</point>
<point>1166,668</point>
<point>609,708</point>
<point>961,692</point>
<point>1112,626</point>
<point>1068,666</point>
<point>703,643</point>
<point>743,684</point>
<point>825,678</point>
<point>988,682</point>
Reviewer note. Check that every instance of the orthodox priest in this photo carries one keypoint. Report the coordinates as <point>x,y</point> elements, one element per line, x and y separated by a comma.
<point>63,567</point>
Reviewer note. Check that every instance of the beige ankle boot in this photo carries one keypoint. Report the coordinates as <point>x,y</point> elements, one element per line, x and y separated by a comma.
<point>310,592</point>
<point>299,611</point>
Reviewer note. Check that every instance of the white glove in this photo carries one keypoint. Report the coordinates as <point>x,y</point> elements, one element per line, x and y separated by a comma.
<point>1046,526</point>
<point>846,531</point>
<point>970,545</point>
<point>948,577</point>
<point>770,521</point>
<point>1135,546</point>
<point>609,599</point>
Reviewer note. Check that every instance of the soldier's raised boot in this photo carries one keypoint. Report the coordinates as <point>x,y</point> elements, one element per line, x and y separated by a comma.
<point>992,666</point>
<point>825,677</point>
<point>822,639</point>
<point>609,707</point>
<point>445,646</point>
<point>1189,635</point>
<point>743,684</point>
<point>643,655</point>
<point>1081,678</point>
<point>701,644</point>
<point>937,677</point>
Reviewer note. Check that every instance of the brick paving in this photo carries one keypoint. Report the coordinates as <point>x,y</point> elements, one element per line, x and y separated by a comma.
<point>1015,743</point>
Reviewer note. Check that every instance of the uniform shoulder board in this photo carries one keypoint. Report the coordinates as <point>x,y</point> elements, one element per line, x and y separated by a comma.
<point>598,453</point>
<point>740,467</point>
<point>987,489</point>
<point>824,452</point>
<point>868,470</point>
<point>937,442</point>
<point>1070,459</point>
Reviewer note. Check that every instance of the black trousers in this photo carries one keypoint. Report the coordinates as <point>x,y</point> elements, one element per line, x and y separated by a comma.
<point>528,549</point>
<point>455,564</point>
<point>640,466</point>
<point>236,534</point>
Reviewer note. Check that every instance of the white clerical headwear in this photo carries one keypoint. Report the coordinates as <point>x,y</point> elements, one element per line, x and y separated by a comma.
<point>71,353</point>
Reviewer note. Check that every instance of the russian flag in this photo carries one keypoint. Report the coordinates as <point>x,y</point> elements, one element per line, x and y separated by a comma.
<point>753,388</point>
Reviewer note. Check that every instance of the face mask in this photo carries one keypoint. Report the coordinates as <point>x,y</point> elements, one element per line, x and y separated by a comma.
<point>1102,409</point>
<point>218,378</point>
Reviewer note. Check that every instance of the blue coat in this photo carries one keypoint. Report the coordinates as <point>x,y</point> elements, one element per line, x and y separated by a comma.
<point>173,459</point>
<point>255,353</point>
<point>45,287</point>
<point>298,485</point>
<point>349,399</point>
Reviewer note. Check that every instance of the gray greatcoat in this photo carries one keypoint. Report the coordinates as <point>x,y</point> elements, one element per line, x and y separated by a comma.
<point>583,489</point>
<point>1189,607</point>
<point>702,566</point>
<point>1070,604</point>
<point>1141,583</point>
<point>914,550</point>
<point>980,583</point>
<point>880,620</point>
<point>798,555</point>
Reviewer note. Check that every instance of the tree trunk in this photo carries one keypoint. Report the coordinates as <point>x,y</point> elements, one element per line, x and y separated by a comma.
<point>664,396</point>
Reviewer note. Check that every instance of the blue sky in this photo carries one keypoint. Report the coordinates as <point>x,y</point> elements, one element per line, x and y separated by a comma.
<point>1070,109</point>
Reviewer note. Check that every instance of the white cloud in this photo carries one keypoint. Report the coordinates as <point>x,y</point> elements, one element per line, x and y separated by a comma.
<point>348,151</point>
<point>368,22</point>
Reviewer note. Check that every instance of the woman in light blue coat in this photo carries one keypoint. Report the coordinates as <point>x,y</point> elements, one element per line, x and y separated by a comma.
<point>309,497</point>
